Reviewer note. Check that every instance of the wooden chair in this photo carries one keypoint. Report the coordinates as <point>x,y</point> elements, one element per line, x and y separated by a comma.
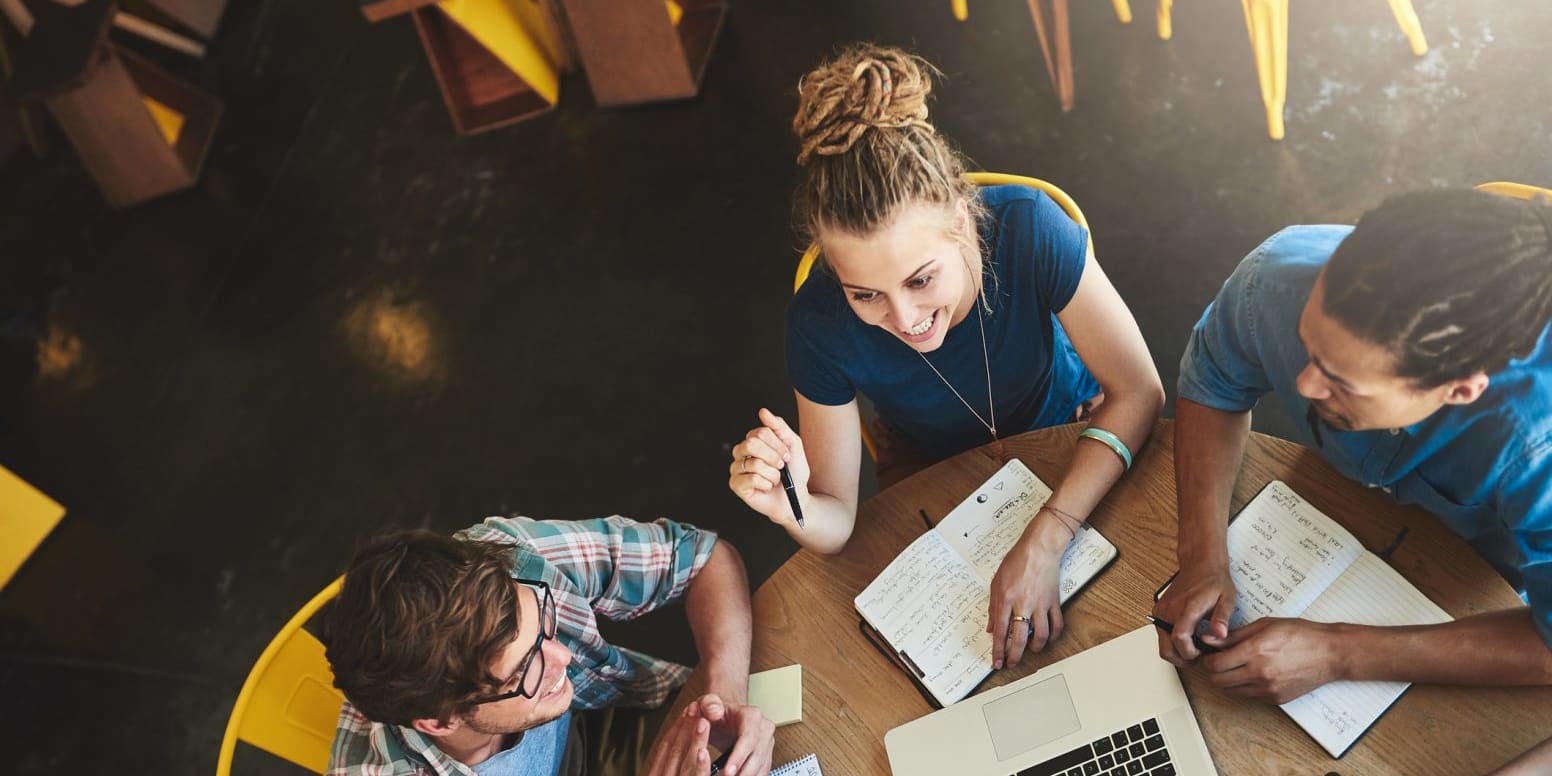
<point>288,705</point>
<point>811,255</point>
<point>1051,29</point>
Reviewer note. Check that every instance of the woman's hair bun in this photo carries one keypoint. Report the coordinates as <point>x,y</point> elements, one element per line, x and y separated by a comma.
<point>866,87</point>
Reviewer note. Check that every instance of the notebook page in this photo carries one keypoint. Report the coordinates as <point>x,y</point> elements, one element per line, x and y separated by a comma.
<point>1368,593</point>
<point>1282,553</point>
<point>990,520</point>
<point>931,606</point>
<point>806,766</point>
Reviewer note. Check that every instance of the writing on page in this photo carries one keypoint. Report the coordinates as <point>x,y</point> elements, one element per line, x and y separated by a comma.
<point>1283,552</point>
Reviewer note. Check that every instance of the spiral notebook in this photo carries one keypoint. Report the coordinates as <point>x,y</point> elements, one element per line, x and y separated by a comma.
<point>930,603</point>
<point>807,766</point>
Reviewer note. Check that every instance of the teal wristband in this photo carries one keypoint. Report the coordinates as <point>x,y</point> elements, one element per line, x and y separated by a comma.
<point>1111,441</point>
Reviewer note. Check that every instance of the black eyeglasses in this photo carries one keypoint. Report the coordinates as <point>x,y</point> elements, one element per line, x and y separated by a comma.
<point>527,679</point>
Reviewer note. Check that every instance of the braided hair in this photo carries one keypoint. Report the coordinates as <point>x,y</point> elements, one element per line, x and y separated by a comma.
<point>866,146</point>
<point>1452,282</point>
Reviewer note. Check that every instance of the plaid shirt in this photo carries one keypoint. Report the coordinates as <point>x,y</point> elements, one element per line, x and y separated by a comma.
<point>614,567</point>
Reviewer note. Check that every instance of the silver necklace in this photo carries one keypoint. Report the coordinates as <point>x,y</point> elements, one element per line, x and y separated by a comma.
<point>991,405</point>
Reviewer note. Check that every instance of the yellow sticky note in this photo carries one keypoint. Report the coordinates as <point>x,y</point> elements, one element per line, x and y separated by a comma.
<point>26,518</point>
<point>779,694</point>
<point>169,121</point>
<point>675,12</point>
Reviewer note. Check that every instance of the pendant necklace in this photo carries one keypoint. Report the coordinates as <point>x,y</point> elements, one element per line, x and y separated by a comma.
<point>991,406</point>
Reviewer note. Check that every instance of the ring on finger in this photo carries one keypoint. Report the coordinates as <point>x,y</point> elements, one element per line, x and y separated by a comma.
<point>743,465</point>
<point>1018,618</point>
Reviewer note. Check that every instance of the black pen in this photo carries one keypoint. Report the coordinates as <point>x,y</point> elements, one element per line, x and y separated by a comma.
<point>792,494</point>
<point>1168,627</point>
<point>721,762</point>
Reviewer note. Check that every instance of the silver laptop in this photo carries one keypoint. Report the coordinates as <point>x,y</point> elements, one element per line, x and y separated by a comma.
<point>1114,709</point>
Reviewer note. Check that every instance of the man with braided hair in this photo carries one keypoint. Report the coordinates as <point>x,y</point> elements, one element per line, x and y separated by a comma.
<point>1414,349</point>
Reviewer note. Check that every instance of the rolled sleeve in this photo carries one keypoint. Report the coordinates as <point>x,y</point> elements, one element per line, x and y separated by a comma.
<point>1222,367</point>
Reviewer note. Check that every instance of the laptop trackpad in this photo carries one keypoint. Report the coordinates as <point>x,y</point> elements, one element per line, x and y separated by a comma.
<point>1031,717</point>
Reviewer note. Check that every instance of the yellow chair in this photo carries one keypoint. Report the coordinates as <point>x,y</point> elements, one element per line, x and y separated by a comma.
<point>27,516</point>
<point>811,255</point>
<point>1267,21</point>
<point>288,706</point>
<point>1060,68</point>
<point>1516,190</point>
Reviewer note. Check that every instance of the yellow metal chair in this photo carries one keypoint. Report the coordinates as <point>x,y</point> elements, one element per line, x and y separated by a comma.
<point>27,516</point>
<point>1267,21</point>
<point>1516,190</point>
<point>1059,68</point>
<point>288,706</point>
<point>811,255</point>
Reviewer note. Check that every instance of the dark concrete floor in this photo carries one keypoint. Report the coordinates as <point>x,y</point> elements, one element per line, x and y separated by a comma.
<point>361,320</point>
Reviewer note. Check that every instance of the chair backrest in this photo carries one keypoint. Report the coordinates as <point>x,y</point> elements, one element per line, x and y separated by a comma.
<point>806,264</point>
<point>288,706</point>
<point>1517,190</point>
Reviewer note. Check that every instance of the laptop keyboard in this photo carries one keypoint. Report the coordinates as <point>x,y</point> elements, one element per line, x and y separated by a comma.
<point>1134,751</point>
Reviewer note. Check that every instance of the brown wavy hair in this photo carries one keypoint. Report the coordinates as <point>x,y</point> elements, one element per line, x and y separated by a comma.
<point>866,146</point>
<point>418,623</point>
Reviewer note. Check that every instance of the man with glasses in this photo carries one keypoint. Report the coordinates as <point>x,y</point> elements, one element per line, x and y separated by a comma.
<point>1414,354</point>
<point>480,653</point>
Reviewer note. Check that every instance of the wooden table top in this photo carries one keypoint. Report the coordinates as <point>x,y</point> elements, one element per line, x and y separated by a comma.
<point>852,694</point>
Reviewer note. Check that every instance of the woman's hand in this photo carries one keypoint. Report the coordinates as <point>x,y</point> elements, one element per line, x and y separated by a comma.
<point>755,473</point>
<point>1027,586</point>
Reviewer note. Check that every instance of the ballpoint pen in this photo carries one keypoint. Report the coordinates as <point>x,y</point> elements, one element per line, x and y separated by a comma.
<point>1169,627</point>
<point>792,494</point>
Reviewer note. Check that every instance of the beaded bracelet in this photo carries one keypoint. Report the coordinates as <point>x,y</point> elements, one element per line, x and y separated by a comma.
<point>1111,441</point>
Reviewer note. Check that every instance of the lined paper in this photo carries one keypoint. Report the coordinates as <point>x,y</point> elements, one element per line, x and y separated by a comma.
<point>1368,593</point>
<point>1282,554</point>
<point>930,602</point>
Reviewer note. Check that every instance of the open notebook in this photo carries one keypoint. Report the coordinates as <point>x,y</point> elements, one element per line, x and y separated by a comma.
<point>1289,560</point>
<point>930,603</point>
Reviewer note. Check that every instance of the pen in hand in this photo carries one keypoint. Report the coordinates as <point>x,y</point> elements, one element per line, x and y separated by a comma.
<point>1169,627</point>
<point>792,494</point>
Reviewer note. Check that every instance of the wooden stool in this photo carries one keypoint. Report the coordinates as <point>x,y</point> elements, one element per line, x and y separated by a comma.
<point>496,61</point>
<point>1052,29</point>
<point>637,51</point>
<point>139,131</point>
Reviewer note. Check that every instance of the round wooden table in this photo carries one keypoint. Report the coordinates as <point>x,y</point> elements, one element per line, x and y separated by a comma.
<point>852,694</point>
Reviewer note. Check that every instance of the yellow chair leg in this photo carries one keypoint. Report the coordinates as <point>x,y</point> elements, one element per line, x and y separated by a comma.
<point>1166,27</point>
<point>1407,18</point>
<point>1123,11</point>
<point>961,10</point>
<point>1268,24</point>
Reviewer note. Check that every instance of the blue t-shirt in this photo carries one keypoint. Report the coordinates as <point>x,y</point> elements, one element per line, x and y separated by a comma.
<point>1484,468</point>
<point>538,754</point>
<point>1037,255</point>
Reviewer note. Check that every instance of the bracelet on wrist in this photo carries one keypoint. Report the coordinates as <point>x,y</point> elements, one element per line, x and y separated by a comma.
<point>1111,441</point>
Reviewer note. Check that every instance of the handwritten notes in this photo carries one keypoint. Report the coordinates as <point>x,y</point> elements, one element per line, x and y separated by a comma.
<point>930,602</point>
<point>1289,560</point>
<point>806,766</point>
<point>1283,552</point>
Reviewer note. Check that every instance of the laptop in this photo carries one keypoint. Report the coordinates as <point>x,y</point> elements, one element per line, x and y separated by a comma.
<point>1115,709</point>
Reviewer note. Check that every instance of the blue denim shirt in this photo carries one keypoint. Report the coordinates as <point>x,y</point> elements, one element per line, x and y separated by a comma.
<point>1484,469</point>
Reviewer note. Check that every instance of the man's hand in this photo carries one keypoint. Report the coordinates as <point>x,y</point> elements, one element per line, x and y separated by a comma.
<point>743,728</point>
<point>682,750</point>
<point>1276,659</point>
<point>1199,592</point>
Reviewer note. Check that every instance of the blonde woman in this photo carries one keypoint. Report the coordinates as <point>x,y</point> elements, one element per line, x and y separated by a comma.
<point>966,315</point>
